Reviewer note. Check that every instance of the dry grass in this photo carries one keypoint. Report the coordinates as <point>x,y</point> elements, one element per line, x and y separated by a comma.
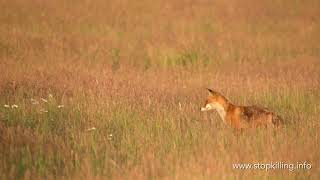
<point>113,89</point>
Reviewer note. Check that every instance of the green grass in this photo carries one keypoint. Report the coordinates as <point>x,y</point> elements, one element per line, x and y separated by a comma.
<point>57,143</point>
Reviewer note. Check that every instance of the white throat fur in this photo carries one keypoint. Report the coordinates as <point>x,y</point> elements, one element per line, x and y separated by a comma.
<point>219,108</point>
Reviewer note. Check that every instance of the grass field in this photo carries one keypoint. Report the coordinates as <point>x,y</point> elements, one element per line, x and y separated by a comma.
<point>112,90</point>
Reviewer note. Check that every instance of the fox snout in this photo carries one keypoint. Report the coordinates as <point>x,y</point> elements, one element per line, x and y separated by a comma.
<point>202,109</point>
<point>205,108</point>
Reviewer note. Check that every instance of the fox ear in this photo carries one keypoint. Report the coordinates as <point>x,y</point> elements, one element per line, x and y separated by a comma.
<point>211,92</point>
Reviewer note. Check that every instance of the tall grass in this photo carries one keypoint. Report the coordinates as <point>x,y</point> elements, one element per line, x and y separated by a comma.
<point>112,90</point>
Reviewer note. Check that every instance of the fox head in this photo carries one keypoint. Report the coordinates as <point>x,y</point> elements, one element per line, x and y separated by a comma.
<point>214,101</point>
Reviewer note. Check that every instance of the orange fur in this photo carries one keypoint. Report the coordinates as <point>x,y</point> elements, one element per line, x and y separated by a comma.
<point>240,117</point>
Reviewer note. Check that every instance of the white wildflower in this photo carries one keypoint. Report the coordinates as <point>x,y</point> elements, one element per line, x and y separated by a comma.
<point>6,106</point>
<point>50,96</point>
<point>44,100</point>
<point>110,136</point>
<point>14,106</point>
<point>33,101</point>
<point>43,111</point>
<point>60,106</point>
<point>91,129</point>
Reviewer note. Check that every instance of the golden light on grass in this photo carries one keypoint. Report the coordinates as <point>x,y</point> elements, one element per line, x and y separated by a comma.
<point>112,89</point>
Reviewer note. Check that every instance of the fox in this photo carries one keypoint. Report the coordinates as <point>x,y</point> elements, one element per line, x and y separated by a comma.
<point>240,117</point>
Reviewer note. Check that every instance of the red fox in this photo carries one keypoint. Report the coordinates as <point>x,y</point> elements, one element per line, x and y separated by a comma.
<point>240,117</point>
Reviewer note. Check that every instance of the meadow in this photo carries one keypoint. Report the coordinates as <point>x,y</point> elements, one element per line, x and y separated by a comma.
<point>113,89</point>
